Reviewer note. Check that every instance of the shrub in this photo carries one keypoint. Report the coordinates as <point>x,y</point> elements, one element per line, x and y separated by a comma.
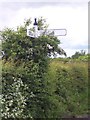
<point>68,85</point>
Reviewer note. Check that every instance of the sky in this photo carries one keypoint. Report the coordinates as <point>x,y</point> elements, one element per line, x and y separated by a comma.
<point>69,14</point>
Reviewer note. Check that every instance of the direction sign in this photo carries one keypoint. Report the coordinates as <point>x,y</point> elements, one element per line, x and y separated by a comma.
<point>51,32</point>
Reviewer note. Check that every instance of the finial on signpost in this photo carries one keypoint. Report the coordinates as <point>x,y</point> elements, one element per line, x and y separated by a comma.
<point>35,23</point>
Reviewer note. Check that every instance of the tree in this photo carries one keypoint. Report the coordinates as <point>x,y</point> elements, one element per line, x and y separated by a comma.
<point>78,54</point>
<point>27,76</point>
<point>18,46</point>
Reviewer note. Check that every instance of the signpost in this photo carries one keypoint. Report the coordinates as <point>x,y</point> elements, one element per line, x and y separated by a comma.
<point>51,32</point>
<point>36,33</point>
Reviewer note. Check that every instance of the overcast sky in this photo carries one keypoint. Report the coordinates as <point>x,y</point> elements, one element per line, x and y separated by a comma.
<point>69,14</point>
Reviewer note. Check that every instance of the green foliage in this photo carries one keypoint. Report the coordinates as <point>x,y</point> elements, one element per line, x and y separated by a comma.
<point>24,94</point>
<point>60,93</point>
<point>83,58</point>
<point>78,54</point>
<point>25,63</point>
<point>18,46</point>
<point>33,85</point>
<point>68,85</point>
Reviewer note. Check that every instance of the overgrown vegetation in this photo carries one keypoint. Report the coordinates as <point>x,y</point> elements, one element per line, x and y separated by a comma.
<point>68,82</point>
<point>35,86</point>
<point>63,92</point>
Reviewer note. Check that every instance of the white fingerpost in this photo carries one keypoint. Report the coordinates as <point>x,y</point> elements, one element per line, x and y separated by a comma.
<point>51,32</point>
